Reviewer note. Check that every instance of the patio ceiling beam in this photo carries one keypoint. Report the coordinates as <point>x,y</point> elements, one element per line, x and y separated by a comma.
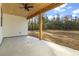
<point>50,6</point>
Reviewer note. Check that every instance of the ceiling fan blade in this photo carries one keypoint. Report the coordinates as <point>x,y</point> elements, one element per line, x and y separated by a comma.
<point>26,6</point>
<point>27,9</point>
<point>29,6</point>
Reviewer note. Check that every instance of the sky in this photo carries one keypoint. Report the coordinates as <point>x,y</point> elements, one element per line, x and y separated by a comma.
<point>63,10</point>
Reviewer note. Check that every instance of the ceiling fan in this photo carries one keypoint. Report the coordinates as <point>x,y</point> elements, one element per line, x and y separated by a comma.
<point>26,6</point>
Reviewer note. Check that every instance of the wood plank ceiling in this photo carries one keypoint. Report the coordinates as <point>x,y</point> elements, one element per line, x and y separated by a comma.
<point>14,9</point>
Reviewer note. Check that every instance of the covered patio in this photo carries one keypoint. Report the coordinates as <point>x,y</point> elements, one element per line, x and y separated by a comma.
<point>31,46</point>
<point>14,22</point>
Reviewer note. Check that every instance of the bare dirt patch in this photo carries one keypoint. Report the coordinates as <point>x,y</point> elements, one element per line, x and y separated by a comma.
<point>65,38</point>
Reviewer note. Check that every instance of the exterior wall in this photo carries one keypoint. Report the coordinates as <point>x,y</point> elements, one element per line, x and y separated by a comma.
<point>14,25</point>
<point>0,35</point>
<point>0,26</point>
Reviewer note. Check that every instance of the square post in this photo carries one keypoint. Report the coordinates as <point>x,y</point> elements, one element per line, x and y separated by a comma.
<point>40,26</point>
<point>32,24</point>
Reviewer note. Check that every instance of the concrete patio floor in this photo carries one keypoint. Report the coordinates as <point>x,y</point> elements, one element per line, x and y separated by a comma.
<point>31,46</point>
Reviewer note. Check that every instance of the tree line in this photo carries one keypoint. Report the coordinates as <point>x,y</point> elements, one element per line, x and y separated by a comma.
<point>63,23</point>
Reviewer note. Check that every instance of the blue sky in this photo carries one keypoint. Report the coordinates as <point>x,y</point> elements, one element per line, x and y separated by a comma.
<point>65,9</point>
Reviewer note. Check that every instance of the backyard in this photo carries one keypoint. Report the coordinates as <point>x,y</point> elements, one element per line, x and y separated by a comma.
<point>59,25</point>
<point>62,37</point>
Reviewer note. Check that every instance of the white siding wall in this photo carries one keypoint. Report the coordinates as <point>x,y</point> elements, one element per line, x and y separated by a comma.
<point>0,26</point>
<point>14,25</point>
